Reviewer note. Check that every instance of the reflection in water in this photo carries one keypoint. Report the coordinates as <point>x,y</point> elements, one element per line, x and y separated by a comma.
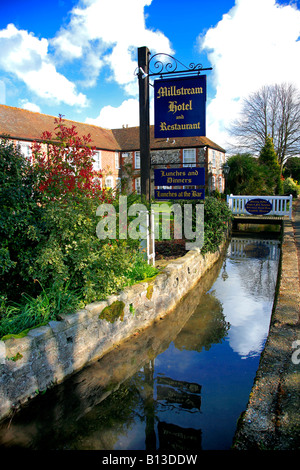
<point>180,385</point>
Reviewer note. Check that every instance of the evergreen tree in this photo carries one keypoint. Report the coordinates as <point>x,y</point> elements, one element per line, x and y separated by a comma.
<point>268,159</point>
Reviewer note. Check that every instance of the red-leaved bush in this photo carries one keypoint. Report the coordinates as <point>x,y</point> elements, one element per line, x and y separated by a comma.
<point>64,163</point>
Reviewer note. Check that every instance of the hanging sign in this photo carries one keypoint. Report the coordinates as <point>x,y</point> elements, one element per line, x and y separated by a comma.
<point>180,107</point>
<point>258,206</point>
<point>189,176</point>
<point>184,193</point>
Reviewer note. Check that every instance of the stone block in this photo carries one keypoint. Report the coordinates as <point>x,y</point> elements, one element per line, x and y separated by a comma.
<point>40,333</point>
<point>2,352</point>
<point>96,307</point>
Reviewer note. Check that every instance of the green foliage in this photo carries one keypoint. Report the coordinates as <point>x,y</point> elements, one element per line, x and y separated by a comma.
<point>20,219</point>
<point>290,187</point>
<point>292,169</point>
<point>245,176</point>
<point>255,176</point>
<point>216,219</point>
<point>269,160</point>
<point>53,240</point>
<point>17,317</point>
<point>52,261</point>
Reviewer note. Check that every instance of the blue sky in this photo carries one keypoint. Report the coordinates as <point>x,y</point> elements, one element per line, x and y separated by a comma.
<point>78,57</point>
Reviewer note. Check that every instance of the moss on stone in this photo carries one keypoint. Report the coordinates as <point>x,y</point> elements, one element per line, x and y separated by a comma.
<point>22,333</point>
<point>15,336</point>
<point>113,312</point>
<point>149,291</point>
<point>16,357</point>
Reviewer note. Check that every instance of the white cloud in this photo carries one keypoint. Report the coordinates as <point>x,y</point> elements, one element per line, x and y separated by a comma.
<point>115,117</point>
<point>255,43</point>
<point>2,92</point>
<point>127,113</point>
<point>108,33</point>
<point>26,56</point>
<point>30,106</point>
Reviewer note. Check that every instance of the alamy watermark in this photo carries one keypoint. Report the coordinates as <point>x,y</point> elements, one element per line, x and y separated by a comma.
<point>187,222</point>
<point>296,353</point>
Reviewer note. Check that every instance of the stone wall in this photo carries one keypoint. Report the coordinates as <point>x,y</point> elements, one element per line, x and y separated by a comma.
<point>48,354</point>
<point>271,420</point>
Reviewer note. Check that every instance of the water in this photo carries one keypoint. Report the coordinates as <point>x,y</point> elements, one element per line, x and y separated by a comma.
<point>181,385</point>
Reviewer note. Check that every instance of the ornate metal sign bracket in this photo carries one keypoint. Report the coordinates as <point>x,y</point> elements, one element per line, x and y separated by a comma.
<point>164,64</point>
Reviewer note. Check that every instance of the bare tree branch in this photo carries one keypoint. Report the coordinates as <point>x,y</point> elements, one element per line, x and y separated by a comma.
<point>273,110</point>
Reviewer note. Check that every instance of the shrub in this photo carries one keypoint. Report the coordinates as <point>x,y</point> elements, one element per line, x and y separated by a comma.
<point>20,219</point>
<point>290,187</point>
<point>217,216</point>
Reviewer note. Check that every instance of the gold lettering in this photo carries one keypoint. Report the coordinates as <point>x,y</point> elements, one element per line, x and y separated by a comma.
<point>178,127</point>
<point>164,91</point>
<point>174,107</point>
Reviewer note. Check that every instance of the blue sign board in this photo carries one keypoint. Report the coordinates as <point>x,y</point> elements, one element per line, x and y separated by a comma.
<point>186,193</point>
<point>188,176</point>
<point>180,107</point>
<point>258,206</point>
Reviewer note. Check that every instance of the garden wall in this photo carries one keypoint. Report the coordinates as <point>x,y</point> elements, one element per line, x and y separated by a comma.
<point>48,354</point>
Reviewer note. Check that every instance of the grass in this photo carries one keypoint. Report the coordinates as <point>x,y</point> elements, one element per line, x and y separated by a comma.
<point>31,312</point>
<point>19,318</point>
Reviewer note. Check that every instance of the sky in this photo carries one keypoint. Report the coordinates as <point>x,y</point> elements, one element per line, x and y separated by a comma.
<point>78,58</point>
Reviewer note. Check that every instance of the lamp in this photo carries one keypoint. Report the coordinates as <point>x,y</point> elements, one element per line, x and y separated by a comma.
<point>226,170</point>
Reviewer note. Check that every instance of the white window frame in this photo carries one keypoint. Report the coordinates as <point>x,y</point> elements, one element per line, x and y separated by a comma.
<point>213,159</point>
<point>117,160</point>
<point>97,160</point>
<point>118,184</point>
<point>109,182</point>
<point>213,183</point>
<point>137,160</point>
<point>137,183</point>
<point>220,183</point>
<point>25,149</point>
<point>189,160</point>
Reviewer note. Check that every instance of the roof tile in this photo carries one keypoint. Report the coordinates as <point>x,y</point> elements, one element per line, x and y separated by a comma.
<point>22,124</point>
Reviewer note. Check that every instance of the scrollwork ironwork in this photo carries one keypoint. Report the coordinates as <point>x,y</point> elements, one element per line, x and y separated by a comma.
<point>165,64</point>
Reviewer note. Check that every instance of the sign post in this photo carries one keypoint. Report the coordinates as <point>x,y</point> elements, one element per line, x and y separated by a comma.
<point>143,75</point>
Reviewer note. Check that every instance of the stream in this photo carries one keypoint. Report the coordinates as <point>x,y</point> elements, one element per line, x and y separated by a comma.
<point>179,385</point>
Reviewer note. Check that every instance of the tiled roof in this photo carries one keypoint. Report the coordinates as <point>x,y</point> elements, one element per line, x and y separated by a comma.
<point>27,125</point>
<point>128,138</point>
<point>21,124</point>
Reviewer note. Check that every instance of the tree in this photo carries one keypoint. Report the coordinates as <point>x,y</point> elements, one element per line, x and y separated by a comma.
<point>292,169</point>
<point>273,111</point>
<point>64,164</point>
<point>247,176</point>
<point>268,158</point>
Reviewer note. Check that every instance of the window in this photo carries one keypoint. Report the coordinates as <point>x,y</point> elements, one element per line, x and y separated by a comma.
<point>138,185</point>
<point>97,160</point>
<point>214,158</point>
<point>118,184</point>
<point>25,149</point>
<point>213,183</point>
<point>117,160</point>
<point>137,161</point>
<point>220,184</point>
<point>189,157</point>
<point>109,181</point>
<point>98,181</point>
